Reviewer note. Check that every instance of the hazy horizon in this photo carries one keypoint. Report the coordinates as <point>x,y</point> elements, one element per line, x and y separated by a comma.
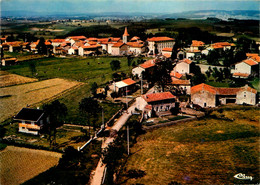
<point>130,6</point>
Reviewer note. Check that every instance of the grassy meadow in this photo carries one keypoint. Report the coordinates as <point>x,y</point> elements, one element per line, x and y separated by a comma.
<point>87,70</point>
<point>207,151</point>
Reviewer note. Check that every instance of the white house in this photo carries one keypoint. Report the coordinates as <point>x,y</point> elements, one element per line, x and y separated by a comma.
<point>183,66</point>
<point>143,67</point>
<point>159,43</point>
<point>88,50</point>
<point>135,48</point>
<point>196,45</point>
<point>156,102</point>
<point>73,51</point>
<point>245,68</point>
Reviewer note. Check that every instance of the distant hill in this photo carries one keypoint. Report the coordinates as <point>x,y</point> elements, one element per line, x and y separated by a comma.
<point>220,14</point>
<point>201,14</point>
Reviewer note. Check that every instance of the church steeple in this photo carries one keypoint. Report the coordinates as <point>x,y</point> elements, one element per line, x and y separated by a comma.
<point>125,35</point>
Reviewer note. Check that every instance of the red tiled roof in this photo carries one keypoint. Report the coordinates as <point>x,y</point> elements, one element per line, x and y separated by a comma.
<point>241,74</point>
<point>135,38</point>
<point>180,82</point>
<point>118,44</point>
<point>175,74</point>
<point>194,51</point>
<point>220,90</point>
<point>135,44</point>
<point>158,96</point>
<point>148,107</point>
<point>186,61</point>
<point>196,43</point>
<point>126,33</point>
<point>167,55</point>
<point>58,40</point>
<point>204,87</point>
<point>167,49</point>
<point>157,39</point>
<point>129,81</point>
<point>147,64</point>
<point>250,62</point>
<point>247,88</point>
<point>78,37</point>
<point>47,43</point>
<point>223,43</point>
<point>253,56</point>
<point>92,46</point>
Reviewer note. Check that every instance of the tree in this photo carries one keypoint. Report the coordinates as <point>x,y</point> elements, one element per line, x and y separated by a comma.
<point>32,68</point>
<point>129,60</point>
<point>239,56</point>
<point>198,77</point>
<point>94,87</point>
<point>208,73</point>
<point>162,73</point>
<point>41,47</point>
<point>115,65</point>
<point>89,109</point>
<point>156,49</point>
<point>57,113</point>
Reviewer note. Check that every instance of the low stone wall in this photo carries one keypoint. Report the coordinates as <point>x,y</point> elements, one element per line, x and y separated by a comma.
<point>169,123</point>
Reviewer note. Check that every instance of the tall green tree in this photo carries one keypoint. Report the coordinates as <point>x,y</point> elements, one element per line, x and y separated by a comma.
<point>57,113</point>
<point>89,109</point>
<point>32,68</point>
<point>94,87</point>
<point>115,65</point>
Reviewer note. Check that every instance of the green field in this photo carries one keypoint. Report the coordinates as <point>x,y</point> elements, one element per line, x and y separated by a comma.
<point>207,151</point>
<point>87,70</point>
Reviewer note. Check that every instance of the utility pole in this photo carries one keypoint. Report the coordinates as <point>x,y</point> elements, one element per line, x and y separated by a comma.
<point>141,83</point>
<point>126,98</point>
<point>127,139</point>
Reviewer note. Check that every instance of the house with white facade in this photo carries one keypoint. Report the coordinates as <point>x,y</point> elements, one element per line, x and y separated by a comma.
<point>146,66</point>
<point>135,48</point>
<point>209,96</point>
<point>196,45</point>
<point>183,66</point>
<point>245,68</point>
<point>123,87</point>
<point>159,43</point>
<point>89,50</point>
<point>159,103</point>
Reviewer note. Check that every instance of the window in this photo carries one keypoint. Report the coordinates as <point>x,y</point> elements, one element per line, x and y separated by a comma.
<point>244,94</point>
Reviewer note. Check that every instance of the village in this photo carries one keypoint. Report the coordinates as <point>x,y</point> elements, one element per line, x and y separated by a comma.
<point>164,83</point>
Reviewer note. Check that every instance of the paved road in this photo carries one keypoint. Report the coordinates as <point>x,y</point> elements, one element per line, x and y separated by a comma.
<point>98,175</point>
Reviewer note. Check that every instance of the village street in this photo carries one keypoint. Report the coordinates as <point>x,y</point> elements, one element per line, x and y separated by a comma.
<point>98,175</point>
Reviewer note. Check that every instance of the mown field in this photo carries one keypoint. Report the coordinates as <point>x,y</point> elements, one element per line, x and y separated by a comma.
<point>14,98</point>
<point>87,70</point>
<point>207,151</point>
<point>7,79</point>
<point>21,164</point>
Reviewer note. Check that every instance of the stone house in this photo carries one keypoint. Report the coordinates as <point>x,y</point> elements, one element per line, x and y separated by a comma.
<point>31,121</point>
<point>208,96</point>
<point>183,66</point>
<point>159,103</point>
<point>146,66</point>
<point>89,50</point>
<point>159,43</point>
<point>135,48</point>
<point>119,49</point>
<point>57,42</point>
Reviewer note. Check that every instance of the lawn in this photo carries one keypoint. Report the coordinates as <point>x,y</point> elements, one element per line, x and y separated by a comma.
<point>207,151</point>
<point>21,164</point>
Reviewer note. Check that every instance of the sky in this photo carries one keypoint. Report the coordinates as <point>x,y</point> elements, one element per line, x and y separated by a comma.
<point>144,6</point>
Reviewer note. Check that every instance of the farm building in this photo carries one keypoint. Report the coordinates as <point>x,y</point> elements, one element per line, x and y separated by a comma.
<point>31,121</point>
<point>245,68</point>
<point>159,103</point>
<point>123,87</point>
<point>208,96</point>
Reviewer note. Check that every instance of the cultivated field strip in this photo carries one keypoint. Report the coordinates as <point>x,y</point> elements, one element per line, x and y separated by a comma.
<point>16,97</point>
<point>21,164</point>
<point>13,79</point>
